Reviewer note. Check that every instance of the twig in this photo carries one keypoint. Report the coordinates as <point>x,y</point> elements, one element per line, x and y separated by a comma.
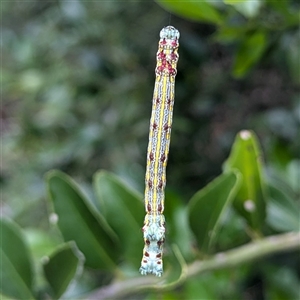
<point>252,251</point>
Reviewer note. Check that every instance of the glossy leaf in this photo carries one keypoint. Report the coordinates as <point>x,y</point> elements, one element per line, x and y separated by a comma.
<point>250,51</point>
<point>246,157</point>
<point>233,231</point>
<point>16,274</point>
<point>283,212</point>
<point>200,11</point>
<point>207,206</point>
<point>79,221</point>
<point>177,224</point>
<point>40,244</point>
<point>62,266</point>
<point>124,211</point>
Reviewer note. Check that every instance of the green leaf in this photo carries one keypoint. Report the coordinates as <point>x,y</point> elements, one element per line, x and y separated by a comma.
<point>200,11</point>
<point>250,51</point>
<point>229,34</point>
<point>293,175</point>
<point>79,221</point>
<point>248,8</point>
<point>199,287</point>
<point>62,266</point>
<point>214,285</point>
<point>207,206</point>
<point>40,244</point>
<point>16,274</point>
<point>177,224</point>
<point>283,212</point>
<point>233,231</point>
<point>4,297</point>
<point>176,268</point>
<point>246,157</point>
<point>124,211</point>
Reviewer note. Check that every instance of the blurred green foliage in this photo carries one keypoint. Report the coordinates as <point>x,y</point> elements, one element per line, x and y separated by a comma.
<point>77,81</point>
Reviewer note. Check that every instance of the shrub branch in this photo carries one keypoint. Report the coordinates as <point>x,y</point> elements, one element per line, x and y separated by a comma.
<point>255,250</point>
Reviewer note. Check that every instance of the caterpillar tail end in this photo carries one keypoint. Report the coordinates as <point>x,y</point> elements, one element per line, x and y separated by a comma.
<point>155,272</point>
<point>152,260</point>
<point>154,237</point>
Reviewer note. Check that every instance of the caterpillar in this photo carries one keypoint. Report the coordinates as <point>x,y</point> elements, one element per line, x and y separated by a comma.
<point>158,150</point>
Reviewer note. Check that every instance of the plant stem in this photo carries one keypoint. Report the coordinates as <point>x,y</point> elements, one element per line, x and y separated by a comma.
<point>244,254</point>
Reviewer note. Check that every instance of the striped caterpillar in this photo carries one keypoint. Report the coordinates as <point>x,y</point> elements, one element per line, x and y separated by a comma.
<point>158,149</point>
